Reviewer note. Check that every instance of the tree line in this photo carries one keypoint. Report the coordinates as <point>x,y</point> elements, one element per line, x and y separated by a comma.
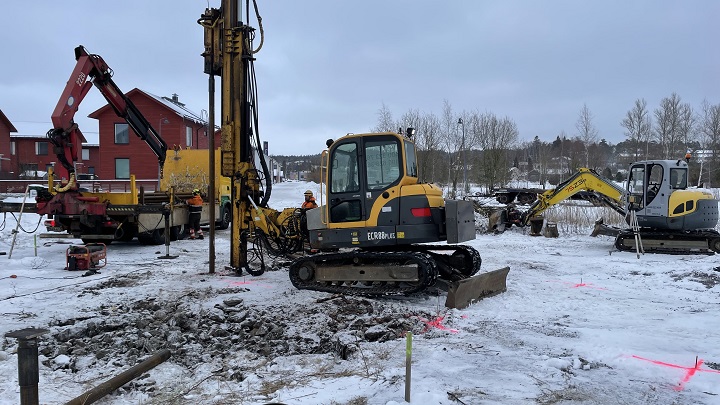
<point>459,148</point>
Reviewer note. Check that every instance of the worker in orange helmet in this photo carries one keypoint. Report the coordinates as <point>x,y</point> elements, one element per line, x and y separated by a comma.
<point>309,202</point>
<point>195,204</point>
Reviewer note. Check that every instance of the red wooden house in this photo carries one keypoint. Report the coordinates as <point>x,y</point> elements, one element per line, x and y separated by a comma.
<point>123,153</point>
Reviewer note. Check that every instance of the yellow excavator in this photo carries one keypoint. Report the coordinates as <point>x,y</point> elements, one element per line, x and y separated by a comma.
<point>656,202</point>
<point>370,234</point>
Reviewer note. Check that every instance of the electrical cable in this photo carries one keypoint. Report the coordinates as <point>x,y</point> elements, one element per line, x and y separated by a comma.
<point>21,227</point>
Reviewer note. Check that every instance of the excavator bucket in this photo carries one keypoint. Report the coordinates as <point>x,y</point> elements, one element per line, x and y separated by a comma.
<point>497,221</point>
<point>464,292</point>
<point>602,229</point>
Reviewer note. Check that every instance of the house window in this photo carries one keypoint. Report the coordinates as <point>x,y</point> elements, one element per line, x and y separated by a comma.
<point>188,136</point>
<point>41,148</point>
<point>122,168</point>
<point>122,134</point>
<point>91,169</point>
<point>86,154</point>
<point>12,148</point>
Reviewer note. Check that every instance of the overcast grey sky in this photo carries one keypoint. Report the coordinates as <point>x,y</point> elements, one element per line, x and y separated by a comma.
<point>327,66</point>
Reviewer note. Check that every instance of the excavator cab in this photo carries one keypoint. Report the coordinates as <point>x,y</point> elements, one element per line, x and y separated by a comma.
<point>373,197</point>
<point>657,191</point>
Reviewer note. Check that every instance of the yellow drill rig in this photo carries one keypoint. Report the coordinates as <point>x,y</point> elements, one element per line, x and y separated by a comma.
<point>375,212</point>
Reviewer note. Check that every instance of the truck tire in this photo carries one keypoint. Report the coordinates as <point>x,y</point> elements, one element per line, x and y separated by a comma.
<point>127,232</point>
<point>526,198</point>
<point>225,217</point>
<point>502,198</point>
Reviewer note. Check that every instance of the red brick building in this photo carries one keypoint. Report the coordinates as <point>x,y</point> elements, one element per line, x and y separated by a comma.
<point>28,153</point>
<point>124,153</point>
<point>6,127</point>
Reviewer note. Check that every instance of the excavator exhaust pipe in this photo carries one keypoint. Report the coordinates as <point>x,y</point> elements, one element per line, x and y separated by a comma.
<point>464,292</point>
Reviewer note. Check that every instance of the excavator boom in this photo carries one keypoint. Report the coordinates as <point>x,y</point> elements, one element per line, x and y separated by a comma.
<point>65,135</point>
<point>584,179</point>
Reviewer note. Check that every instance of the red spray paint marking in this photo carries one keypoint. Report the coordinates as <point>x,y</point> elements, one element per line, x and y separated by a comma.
<point>690,370</point>
<point>578,285</point>
<point>436,323</point>
<point>247,283</point>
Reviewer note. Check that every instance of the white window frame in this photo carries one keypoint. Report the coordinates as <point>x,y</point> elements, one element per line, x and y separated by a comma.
<point>85,154</point>
<point>119,161</point>
<point>37,148</point>
<point>12,148</point>
<point>188,135</point>
<point>119,134</point>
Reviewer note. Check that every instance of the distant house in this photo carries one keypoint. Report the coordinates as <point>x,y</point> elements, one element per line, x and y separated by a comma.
<point>31,153</point>
<point>6,146</point>
<point>123,153</point>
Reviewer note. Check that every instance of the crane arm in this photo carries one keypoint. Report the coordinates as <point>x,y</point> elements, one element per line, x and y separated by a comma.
<point>65,135</point>
<point>583,180</point>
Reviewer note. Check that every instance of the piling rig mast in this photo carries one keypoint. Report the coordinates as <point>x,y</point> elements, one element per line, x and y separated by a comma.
<point>230,55</point>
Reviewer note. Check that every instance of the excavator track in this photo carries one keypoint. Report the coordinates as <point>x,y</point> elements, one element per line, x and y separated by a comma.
<point>385,270</point>
<point>677,243</point>
<point>370,273</point>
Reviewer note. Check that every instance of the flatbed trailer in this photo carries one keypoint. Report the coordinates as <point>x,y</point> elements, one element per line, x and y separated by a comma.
<point>104,217</point>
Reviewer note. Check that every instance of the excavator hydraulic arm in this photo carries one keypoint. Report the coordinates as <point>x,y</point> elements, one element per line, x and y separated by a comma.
<point>65,135</point>
<point>584,179</point>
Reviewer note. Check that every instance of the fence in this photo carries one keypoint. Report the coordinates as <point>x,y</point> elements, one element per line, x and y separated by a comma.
<point>96,186</point>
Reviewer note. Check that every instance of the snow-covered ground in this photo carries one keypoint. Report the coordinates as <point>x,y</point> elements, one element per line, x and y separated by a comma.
<point>580,323</point>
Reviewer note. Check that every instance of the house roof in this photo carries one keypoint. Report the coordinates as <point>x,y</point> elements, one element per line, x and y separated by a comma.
<point>7,122</point>
<point>172,104</point>
<point>36,130</point>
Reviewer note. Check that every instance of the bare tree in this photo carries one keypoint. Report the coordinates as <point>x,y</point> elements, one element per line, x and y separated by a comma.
<point>638,128</point>
<point>709,138</point>
<point>451,136</point>
<point>496,137</point>
<point>673,126</point>
<point>385,122</point>
<point>428,142</point>
<point>587,132</point>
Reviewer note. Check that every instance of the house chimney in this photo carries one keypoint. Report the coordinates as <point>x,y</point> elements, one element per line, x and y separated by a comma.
<point>175,98</point>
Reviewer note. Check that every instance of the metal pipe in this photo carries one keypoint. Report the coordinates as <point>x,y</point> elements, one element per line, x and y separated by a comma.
<point>28,366</point>
<point>121,379</point>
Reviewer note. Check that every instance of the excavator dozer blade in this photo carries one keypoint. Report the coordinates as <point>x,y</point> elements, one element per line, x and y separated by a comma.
<point>464,292</point>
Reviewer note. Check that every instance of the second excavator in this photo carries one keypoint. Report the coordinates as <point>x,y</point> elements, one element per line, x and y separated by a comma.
<point>660,209</point>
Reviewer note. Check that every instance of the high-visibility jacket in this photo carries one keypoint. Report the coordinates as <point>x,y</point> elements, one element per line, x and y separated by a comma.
<point>310,203</point>
<point>195,204</point>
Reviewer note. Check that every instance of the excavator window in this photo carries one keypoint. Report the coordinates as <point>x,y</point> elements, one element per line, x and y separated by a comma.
<point>345,169</point>
<point>410,161</point>
<point>678,178</point>
<point>655,177</point>
<point>636,186</point>
<point>382,163</point>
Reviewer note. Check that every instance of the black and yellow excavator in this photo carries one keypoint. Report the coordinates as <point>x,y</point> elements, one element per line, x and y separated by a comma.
<point>369,235</point>
<point>656,202</point>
